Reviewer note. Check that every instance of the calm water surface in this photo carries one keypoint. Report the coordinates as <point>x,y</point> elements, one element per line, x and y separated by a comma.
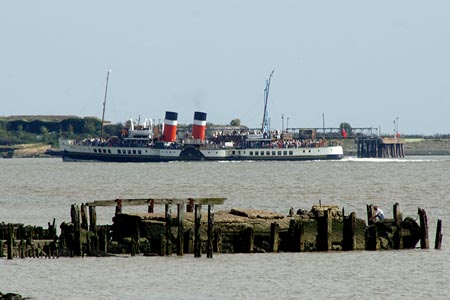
<point>34,191</point>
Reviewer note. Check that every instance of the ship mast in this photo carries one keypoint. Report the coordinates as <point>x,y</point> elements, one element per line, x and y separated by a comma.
<point>265,122</point>
<point>104,103</point>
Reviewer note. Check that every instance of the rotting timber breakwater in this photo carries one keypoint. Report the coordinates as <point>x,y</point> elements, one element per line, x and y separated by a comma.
<point>323,228</point>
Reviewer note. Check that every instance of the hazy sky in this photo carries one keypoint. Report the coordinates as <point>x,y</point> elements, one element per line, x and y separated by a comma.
<point>362,62</point>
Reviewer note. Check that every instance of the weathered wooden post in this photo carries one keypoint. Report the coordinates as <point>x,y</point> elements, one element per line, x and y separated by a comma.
<point>189,241</point>
<point>118,206</point>
<point>168,231</point>
<point>103,238</point>
<point>135,240</point>
<point>197,240</point>
<point>398,214</point>
<point>75,214</point>
<point>10,241</point>
<point>190,205</point>
<point>180,234</point>
<point>369,214</point>
<point>372,238</point>
<point>92,218</point>
<point>438,240</point>
<point>291,212</point>
<point>297,236</point>
<point>325,230</point>
<point>218,240</point>
<point>350,232</point>
<point>2,249</point>
<point>274,236</point>
<point>210,248</point>
<point>247,240</point>
<point>84,218</point>
<point>21,248</point>
<point>151,206</point>
<point>424,243</point>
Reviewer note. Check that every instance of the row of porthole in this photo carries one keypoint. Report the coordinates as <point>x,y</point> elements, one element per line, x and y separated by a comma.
<point>275,153</point>
<point>134,151</point>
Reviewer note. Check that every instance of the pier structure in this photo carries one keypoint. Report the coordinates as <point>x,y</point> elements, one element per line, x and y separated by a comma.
<point>380,147</point>
<point>150,233</point>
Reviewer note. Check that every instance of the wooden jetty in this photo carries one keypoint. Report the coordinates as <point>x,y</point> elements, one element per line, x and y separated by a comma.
<point>27,241</point>
<point>380,147</point>
<point>189,230</point>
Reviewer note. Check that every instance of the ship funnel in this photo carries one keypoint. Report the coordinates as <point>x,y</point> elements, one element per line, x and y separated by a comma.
<point>199,126</point>
<point>170,126</point>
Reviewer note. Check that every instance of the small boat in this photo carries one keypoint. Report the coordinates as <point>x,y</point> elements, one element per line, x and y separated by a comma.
<point>139,143</point>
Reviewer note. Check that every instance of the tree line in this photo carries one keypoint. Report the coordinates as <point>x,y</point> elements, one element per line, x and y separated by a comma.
<point>20,131</point>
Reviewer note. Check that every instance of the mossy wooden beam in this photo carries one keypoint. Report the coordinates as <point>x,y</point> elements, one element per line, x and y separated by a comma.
<point>174,201</point>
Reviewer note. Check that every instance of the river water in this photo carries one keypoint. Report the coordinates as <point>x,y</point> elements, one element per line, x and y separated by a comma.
<point>34,191</point>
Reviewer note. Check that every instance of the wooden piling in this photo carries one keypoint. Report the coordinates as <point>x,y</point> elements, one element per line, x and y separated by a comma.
<point>180,234</point>
<point>190,205</point>
<point>118,206</point>
<point>103,238</point>
<point>372,238</point>
<point>210,248</point>
<point>189,241</point>
<point>162,246</point>
<point>274,236</point>
<point>424,242</point>
<point>92,219</point>
<point>438,240</point>
<point>369,208</point>
<point>84,217</point>
<point>398,214</point>
<point>168,231</point>
<point>349,242</point>
<point>75,214</point>
<point>297,236</point>
<point>248,240</point>
<point>324,232</point>
<point>2,249</point>
<point>218,240</point>
<point>380,147</point>
<point>151,206</point>
<point>21,248</point>
<point>10,242</point>
<point>197,239</point>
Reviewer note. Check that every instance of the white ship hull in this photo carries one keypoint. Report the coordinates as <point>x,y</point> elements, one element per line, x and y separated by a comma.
<point>78,152</point>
